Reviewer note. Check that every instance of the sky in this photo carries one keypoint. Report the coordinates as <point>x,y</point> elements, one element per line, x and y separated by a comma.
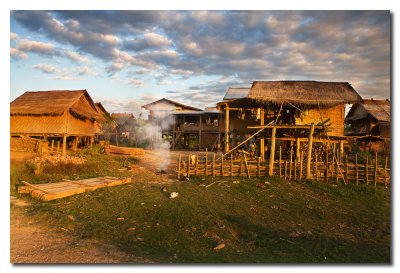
<point>126,59</point>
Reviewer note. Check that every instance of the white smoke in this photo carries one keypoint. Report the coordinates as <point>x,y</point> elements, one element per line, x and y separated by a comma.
<point>150,136</point>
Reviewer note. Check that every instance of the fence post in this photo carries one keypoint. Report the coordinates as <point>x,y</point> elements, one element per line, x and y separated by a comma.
<point>280,160</point>
<point>206,162</point>
<point>285,169</point>
<point>231,165</point>
<point>213,168</point>
<point>376,168</point>
<point>179,166</point>
<point>385,176</point>
<point>366,170</point>
<point>326,163</point>
<point>301,166</point>
<point>291,159</point>
<point>347,169</point>
<point>222,166</point>
<point>258,167</point>
<point>356,169</point>
<point>188,168</point>
<point>196,172</point>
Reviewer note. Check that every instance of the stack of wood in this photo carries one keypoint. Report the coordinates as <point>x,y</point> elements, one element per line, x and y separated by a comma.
<point>124,150</point>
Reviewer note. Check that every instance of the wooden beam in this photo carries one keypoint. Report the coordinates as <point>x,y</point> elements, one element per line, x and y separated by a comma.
<point>297,150</point>
<point>226,130</point>
<point>262,123</point>
<point>285,126</point>
<point>64,148</point>
<point>272,153</point>
<point>309,151</point>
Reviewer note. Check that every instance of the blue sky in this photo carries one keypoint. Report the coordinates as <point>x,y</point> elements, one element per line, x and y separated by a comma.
<point>128,58</point>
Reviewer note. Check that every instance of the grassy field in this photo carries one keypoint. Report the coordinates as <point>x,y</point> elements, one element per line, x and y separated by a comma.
<point>263,220</point>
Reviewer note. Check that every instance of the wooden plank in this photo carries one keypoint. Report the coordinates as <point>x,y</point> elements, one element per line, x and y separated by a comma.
<point>385,170</point>
<point>366,170</point>
<point>231,165</point>
<point>213,165</point>
<point>280,161</point>
<point>301,166</point>
<point>356,170</point>
<point>258,167</point>
<point>375,168</point>
<point>247,166</point>
<point>179,166</point>
<point>285,126</point>
<point>291,159</point>
<point>262,142</point>
<point>226,129</point>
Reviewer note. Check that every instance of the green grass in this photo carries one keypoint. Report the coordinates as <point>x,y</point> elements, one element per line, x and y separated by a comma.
<point>282,223</point>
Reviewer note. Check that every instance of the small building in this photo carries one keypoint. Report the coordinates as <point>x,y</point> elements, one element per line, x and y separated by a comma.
<point>125,126</point>
<point>369,117</point>
<point>56,114</point>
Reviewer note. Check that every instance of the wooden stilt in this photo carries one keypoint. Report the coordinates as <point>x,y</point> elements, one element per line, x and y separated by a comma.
<point>301,166</point>
<point>231,165</point>
<point>327,163</point>
<point>309,151</point>
<point>298,150</point>
<point>247,166</point>
<point>52,145</point>
<point>286,163</point>
<point>226,129</point>
<point>58,146</point>
<point>222,166</point>
<point>64,148</point>
<point>272,153</point>
<point>262,142</point>
<point>196,164</point>
<point>295,168</point>
<point>206,162</point>
<point>258,167</point>
<point>347,169</point>
<point>291,159</point>
<point>315,166</point>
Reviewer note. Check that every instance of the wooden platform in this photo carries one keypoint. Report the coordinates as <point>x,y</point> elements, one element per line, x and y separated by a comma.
<point>124,150</point>
<point>51,191</point>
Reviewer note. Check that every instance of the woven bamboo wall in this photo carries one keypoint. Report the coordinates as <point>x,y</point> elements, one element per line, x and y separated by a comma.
<point>80,127</point>
<point>335,113</point>
<point>37,124</point>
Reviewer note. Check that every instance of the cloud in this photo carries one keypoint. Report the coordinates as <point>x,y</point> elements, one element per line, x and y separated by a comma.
<point>351,46</point>
<point>16,54</point>
<point>46,68</point>
<point>13,36</point>
<point>76,57</point>
<point>148,41</point>
<point>136,82</point>
<point>45,49</point>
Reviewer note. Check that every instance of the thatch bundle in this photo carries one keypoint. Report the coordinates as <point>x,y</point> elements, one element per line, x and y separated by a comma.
<point>304,93</point>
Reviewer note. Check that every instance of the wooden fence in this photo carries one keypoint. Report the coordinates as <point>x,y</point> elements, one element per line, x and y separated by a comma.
<point>349,168</point>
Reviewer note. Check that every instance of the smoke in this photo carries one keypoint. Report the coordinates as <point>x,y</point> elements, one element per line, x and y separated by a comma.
<point>150,136</point>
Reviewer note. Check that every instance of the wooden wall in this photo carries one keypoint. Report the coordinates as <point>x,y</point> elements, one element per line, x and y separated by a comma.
<point>37,124</point>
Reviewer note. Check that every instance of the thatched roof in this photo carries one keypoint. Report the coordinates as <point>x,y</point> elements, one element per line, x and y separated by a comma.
<point>122,118</point>
<point>378,109</point>
<point>305,93</point>
<point>160,105</point>
<point>236,93</point>
<point>55,103</point>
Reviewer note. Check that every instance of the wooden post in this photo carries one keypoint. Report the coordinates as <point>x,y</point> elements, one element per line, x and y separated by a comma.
<point>291,159</point>
<point>64,148</point>
<point>52,145</point>
<point>231,165</point>
<point>241,168</point>
<point>258,167</point>
<point>222,166</point>
<point>366,170</point>
<point>247,166</point>
<point>341,151</point>
<point>188,168</point>
<point>301,166</point>
<point>226,129</point>
<point>309,151</point>
<point>376,168</point>
<point>196,165</point>
<point>57,145</point>
<point>206,161</point>
<point>280,160</point>
<point>315,165</point>
<point>174,133</point>
<point>326,163</point>
<point>385,175</point>
<point>272,153</point>
<point>337,171</point>
<point>262,143</point>
<point>91,143</point>
<point>356,169</point>
<point>295,169</point>
<point>213,166</point>
<point>199,132</point>
<point>179,166</point>
<point>347,169</point>
<point>286,169</point>
<point>297,149</point>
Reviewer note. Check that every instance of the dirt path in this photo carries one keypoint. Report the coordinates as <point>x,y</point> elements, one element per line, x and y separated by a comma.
<point>36,242</point>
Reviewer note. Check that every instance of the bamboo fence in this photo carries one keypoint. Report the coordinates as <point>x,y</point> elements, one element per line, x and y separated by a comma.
<point>346,169</point>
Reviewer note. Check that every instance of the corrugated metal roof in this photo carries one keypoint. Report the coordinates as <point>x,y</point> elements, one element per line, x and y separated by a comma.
<point>236,93</point>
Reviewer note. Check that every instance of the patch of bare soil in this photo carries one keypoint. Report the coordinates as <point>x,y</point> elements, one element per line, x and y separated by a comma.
<point>34,242</point>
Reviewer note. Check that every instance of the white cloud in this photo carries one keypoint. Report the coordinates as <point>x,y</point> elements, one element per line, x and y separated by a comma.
<point>13,36</point>
<point>76,57</point>
<point>46,68</point>
<point>17,54</point>
<point>38,47</point>
<point>136,82</point>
